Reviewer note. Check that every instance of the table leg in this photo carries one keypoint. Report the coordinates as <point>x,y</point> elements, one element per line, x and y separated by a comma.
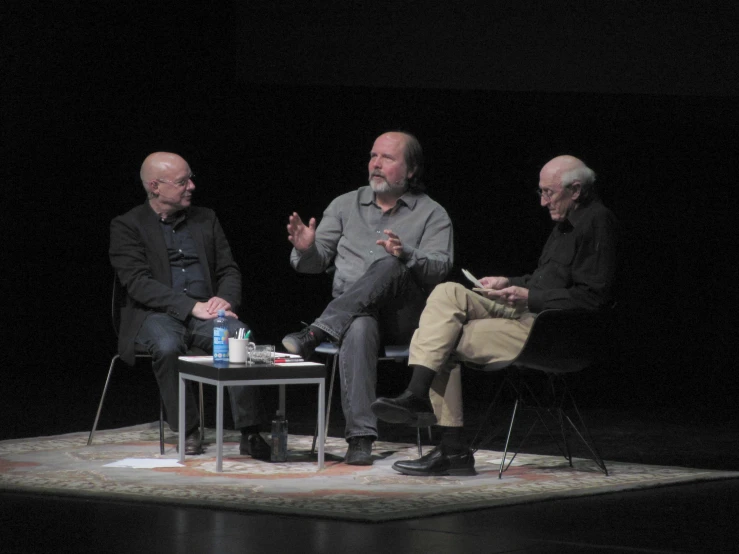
<point>181,421</point>
<point>282,401</point>
<point>321,427</point>
<point>219,427</point>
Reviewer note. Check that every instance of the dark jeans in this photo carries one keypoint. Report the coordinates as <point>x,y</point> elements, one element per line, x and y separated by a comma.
<point>165,339</point>
<point>381,307</point>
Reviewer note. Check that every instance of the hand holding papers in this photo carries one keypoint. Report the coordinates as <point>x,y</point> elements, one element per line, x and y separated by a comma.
<point>472,279</point>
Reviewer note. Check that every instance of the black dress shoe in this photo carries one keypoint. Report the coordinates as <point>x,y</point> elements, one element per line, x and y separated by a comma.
<point>442,460</point>
<point>255,446</point>
<point>359,452</point>
<point>303,343</point>
<point>406,408</point>
<point>193,444</point>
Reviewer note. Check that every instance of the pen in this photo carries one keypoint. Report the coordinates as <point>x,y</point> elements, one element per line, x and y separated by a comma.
<point>288,360</point>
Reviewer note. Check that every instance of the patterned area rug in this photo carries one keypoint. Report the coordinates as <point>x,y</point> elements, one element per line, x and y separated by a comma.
<point>64,465</point>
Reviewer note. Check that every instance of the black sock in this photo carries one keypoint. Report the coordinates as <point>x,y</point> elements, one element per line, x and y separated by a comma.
<point>421,381</point>
<point>320,334</point>
<point>452,437</point>
<point>250,430</point>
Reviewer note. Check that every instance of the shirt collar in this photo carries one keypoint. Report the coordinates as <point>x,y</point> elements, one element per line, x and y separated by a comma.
<point>576,216</point>
<point>367,197</point>
<point>175,218</point>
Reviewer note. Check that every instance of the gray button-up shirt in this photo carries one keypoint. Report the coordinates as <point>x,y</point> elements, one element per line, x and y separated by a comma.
<point>353,223</point>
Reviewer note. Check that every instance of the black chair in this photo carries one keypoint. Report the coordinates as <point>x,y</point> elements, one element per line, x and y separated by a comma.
<point>561,342</point>
<point>396,353</point>
<point>117,300</point>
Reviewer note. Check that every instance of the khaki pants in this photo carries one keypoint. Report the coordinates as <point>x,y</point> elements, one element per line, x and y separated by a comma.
<point>459,325</point>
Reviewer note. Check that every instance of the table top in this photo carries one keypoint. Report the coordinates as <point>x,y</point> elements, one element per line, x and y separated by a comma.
<point>202,366</point>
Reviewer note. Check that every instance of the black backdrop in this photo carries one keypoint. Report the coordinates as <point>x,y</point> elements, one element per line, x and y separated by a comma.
<point>276,109</point>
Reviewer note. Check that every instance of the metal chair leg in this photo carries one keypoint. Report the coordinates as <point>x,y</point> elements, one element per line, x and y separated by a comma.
<point>161,407</point>
<point>418,440</point>
<point>508,438</point>
<point>334,364</point>
<point>102,399</point>
<point>586,438</point>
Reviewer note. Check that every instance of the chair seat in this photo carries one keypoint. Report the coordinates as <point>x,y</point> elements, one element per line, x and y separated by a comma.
<point>328,348</point>
<point>392,351</point>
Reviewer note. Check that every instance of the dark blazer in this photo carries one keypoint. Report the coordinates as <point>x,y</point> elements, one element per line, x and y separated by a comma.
<point>138,254</point>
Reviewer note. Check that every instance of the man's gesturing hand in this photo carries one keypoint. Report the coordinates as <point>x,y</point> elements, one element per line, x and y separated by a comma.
<point>301,236</point>
<point>392,244</point>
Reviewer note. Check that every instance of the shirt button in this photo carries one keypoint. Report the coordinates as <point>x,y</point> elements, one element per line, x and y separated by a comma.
<point>371,252</point>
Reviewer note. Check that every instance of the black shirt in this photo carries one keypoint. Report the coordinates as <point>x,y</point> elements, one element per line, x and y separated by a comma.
<point>187,272</point>
<point>578,264</point>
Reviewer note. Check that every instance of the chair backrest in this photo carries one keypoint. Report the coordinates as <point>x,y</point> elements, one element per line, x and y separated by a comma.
<point>562,341</point>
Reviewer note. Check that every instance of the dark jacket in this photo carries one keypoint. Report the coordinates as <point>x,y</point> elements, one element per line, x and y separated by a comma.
<point>138,254</point>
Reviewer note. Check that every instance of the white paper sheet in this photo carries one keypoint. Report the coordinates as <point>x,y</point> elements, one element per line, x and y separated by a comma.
<point>145,463</point>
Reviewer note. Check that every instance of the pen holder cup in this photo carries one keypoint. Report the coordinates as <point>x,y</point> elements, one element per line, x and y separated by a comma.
<point>238,350</point>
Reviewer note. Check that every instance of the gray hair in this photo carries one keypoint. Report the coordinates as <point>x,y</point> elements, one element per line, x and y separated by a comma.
<point>582,175</point>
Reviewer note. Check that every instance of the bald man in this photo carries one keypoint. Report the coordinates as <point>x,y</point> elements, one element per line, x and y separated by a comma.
<point>575,271</point>
<point>390,245</point>
<point>175,264</point>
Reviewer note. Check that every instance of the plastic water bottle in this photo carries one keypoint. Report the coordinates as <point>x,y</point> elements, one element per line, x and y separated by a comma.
<point>279,438</point>
<point>220,340</point>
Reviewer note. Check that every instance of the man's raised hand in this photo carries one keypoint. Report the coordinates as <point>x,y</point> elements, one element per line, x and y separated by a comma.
<point>301,236</point>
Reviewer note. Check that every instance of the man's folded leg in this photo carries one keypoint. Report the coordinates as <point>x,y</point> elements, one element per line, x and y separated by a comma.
<point>385,281</point>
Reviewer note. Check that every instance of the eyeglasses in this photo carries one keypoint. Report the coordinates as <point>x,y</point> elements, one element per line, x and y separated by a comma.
<point>548,194</point>
<point>181,183</point>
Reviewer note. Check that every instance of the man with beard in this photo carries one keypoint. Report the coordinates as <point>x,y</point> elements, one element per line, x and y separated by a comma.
<point>175,264</point>
<point>390,245</point>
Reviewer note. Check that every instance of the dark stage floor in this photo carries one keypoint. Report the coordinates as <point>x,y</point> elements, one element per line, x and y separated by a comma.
<point>681,518</point>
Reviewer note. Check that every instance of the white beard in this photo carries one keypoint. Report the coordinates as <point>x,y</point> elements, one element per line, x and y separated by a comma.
<point>382,185</point>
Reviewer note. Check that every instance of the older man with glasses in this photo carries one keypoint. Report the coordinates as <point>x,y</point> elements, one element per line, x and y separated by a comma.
<point>177,269</point>
<point>576,271</point>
